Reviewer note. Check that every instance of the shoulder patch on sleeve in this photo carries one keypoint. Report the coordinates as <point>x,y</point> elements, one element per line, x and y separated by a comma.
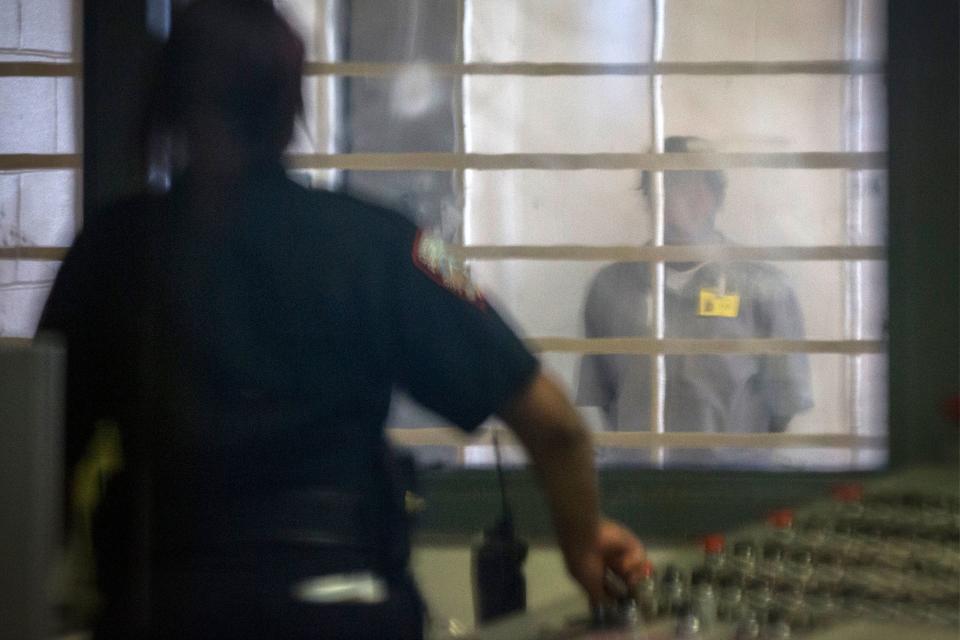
<point>430,255</point>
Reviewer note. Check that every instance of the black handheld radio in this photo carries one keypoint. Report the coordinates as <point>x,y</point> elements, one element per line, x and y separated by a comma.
<point>499,587</point>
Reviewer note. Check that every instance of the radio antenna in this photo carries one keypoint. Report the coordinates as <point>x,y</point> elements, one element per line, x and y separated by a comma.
<point>504,503</point>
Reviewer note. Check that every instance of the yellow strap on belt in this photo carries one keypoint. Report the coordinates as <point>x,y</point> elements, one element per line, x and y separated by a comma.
<point>102,460</point>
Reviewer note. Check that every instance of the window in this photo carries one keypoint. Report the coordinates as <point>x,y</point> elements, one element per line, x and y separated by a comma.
<point>39,152</point>
<point>520,131</point>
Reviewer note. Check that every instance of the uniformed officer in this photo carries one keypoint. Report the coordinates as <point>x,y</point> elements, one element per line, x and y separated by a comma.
<point>233,345</point>
<point>729,393</point>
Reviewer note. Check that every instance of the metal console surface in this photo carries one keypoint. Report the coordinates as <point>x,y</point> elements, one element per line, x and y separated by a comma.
<point>881,562</point>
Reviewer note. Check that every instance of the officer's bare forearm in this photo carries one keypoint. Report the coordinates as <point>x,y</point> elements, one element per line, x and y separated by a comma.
<point>560,446</point>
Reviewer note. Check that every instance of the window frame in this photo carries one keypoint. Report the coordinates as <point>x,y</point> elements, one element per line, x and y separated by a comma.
<point>922,230</point>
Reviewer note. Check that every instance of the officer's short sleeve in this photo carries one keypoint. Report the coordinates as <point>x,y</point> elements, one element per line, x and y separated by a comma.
<point>786,378</point>
<point>457,356</point>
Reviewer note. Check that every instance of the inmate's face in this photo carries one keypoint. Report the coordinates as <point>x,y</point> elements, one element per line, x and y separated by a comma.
<point>690,206</point>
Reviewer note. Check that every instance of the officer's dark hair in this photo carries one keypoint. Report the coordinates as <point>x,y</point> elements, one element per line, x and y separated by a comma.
<point>239,58</point>
<point>716,180</point>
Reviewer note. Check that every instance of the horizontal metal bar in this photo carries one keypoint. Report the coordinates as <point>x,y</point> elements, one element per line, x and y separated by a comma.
<point>578,161</point>
<point>689,346</point>
<point>380,70</point>
<point>720,68</point>
<point>35,161</point>
<point>38,254</point>
<point>543,161</point>
<point>748,346</point>
<point>37,53</point>
<point>41,69</point>
<point>593,253</point>
<point>449,436</point>
<point>627,253</point>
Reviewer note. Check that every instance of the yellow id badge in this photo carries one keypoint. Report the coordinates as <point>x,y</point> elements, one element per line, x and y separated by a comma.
<point>714,305</point>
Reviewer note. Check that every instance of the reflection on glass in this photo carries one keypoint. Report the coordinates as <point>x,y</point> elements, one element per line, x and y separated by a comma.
<point>406,113</point>
<point>557,114</point>
<point>402,31</point>
<point>588,31</point>
<point>758,113</point>
<point>767,30</point>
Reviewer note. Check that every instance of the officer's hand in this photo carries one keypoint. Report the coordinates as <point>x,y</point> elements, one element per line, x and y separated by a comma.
<point>614,548</point>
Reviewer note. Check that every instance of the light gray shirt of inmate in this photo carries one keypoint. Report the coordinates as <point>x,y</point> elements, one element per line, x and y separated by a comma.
<point>722,393</point>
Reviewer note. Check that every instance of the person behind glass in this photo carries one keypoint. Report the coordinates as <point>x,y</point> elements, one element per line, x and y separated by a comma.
<point>728,393</point>
<point>232,346</point>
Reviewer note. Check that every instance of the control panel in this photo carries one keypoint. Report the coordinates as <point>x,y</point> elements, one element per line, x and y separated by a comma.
<point>863,564</point>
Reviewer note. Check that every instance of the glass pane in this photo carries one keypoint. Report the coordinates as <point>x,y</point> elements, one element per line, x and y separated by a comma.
<point>375,31</point>
<point>38,208</point>
<point>868,377</point>
<point>764,207</point>
<point>558,31</point>
<point>763,30</point>
<point>37,115</point>
<point>844,394</point>
<point>737,394</point>
<point>402,31</point>
<point>695,31</point>
<point>69,92</point>
<point>509,114</point>
<point>34,272</point>
<point>867,285</point>
<point>734,393</point>
<point>10,235</point>
<point>867,121</point>
<point>554,207</point>
<point>319,130</point>
<point>20,307</point>
<point>49,201</point>
<point>409,112</point>
<point>36,30</point>
<point>588,114</point>
<point>766,113</point>
<point>784,300</point>
<point>867,211</point>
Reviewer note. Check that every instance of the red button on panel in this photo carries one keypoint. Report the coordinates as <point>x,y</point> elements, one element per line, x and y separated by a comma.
<point>714,543</point>
<point>781,519</point>
<point>852,492</point>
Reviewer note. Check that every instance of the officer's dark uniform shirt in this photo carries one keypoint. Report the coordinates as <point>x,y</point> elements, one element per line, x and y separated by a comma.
<point>261,348</point>
<point>728,393</point>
